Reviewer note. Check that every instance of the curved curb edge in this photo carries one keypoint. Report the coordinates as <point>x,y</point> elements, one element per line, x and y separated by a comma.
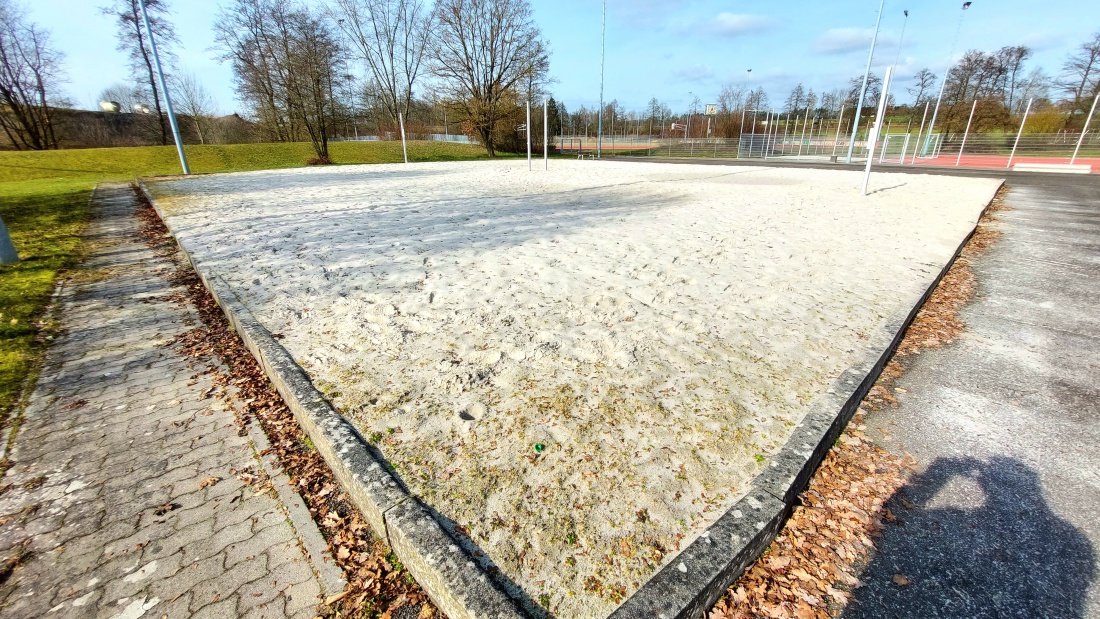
<point>697,578</point>
<point>689,585</point>
<point>455,584</point>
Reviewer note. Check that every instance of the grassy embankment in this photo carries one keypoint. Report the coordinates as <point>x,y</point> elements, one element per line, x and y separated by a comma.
<point>44,203</point>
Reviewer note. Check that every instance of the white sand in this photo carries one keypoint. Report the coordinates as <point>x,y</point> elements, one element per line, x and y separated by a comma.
<point>655,326</point>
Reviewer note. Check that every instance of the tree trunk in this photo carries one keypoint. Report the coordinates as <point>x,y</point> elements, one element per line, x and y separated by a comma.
<point>152,75</point>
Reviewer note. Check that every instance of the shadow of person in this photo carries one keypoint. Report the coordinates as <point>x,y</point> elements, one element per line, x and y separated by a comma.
<point>976,539</point>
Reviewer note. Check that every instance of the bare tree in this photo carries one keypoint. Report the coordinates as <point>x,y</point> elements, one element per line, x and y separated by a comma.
<point>757,99</point>
<point>196,102</point>
<point>1036,85</point>
<point>1081,73</point>
<point>796,100</point>
<point>133,41</point>
<point>924,84</point>
<point>391,38</point>
<point>870,97</point>
<point>30,72</point>
<point>1011,60</point>
<point>483,50</point>
<point>288,65</point>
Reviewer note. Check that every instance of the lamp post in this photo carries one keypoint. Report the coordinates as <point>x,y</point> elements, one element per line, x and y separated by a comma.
<point>164,89</point>
<point>943,82</point>
<point>863,89</point>
<point>603,54</point>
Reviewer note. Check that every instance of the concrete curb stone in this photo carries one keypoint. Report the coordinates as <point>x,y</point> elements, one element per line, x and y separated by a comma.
<point>691,583</point>
<point>670,596</point>
<point>451,579</point>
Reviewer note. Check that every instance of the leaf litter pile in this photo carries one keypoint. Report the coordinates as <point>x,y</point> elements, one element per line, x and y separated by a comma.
<point>811,568</point>
<point>378,585</point>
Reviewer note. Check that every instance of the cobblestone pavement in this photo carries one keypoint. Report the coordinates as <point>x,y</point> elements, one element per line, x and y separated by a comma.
<point>125,496</point>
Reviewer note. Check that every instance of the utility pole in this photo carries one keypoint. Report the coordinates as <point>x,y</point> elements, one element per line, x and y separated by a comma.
<point>603,55</point>
<point>863,89</point>
<point>164,89</point>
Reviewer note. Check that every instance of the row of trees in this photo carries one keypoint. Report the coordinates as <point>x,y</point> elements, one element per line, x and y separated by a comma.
<point>295,63</point>
<point>312,70</point>
<point>30,74</point>
<point>1001,81</point>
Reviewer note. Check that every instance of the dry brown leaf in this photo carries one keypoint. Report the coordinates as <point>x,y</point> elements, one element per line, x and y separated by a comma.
<point>332,599</point>
<point>256,400</point>
<point>209,481</point>
<point>900,580</point>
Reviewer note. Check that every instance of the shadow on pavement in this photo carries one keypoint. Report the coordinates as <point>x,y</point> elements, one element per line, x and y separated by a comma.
<point>976,539</point>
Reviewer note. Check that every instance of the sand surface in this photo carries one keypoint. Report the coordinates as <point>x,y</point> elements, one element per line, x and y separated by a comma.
<point>656,328</point>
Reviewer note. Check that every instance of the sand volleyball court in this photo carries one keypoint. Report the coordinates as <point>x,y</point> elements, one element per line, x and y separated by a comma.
<point>582,368</point>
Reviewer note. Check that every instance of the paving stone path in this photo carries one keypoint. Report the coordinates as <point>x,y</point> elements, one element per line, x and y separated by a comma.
<point>108,509</point>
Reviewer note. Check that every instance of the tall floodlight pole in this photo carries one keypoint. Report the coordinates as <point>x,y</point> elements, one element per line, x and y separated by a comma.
<point>863,89</point>
<point>164,89</point>
<point>7,248</point>
<point>603,57</point>
<point>528,128</point>
<point>1084,129</point>
<point>901,42</point>
<point>943,82</point>
<point>546,133</point>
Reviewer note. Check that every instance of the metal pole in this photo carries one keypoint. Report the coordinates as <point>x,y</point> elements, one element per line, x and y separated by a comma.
<point>967,132</point>
<point>839,120</point>
<point>8,254</point>
<point>767,130</point>
<point>164,89</point>
<point>546,134</point>
<point>1084,129</point>
<point>404,149</point>
<point>901,41</point>
<point>802,138</point>
<point>943,81</point>
<point>528,135</point>
<point>1021,132</point>
<point>920,131</point>
<point>866,75</point>
<point>873,136</point>
<point>603,55</point>
<point>786,126</point>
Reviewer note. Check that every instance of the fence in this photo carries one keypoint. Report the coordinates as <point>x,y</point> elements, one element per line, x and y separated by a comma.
<point>989,150</point>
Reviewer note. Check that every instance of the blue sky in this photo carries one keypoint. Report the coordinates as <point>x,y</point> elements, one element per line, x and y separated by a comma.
<point>660,48</point>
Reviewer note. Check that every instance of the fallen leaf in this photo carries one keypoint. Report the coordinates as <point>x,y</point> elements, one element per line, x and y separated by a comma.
<point>329,601</point>
<point>209,481</point>
<point>900,580</point>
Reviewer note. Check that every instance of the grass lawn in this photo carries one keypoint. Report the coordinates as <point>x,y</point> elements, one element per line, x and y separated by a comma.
<point>44,203</point>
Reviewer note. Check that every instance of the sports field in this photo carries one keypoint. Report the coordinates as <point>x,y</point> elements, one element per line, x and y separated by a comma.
<point>582,367</point>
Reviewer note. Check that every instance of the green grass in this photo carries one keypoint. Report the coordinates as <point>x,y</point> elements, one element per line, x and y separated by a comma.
<point>44,203</point>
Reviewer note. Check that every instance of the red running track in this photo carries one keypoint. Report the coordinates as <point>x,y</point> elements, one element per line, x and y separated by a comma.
<point>1001,161</point>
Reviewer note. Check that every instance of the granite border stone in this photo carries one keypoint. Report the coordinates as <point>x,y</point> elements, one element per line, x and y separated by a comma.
<point>714,561</point>
<point>448,575</point>
<point>688,585</point>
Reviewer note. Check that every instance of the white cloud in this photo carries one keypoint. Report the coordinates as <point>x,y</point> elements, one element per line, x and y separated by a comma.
<point>733,25</point>
<point>694,73</point>
<point>844,40</point>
